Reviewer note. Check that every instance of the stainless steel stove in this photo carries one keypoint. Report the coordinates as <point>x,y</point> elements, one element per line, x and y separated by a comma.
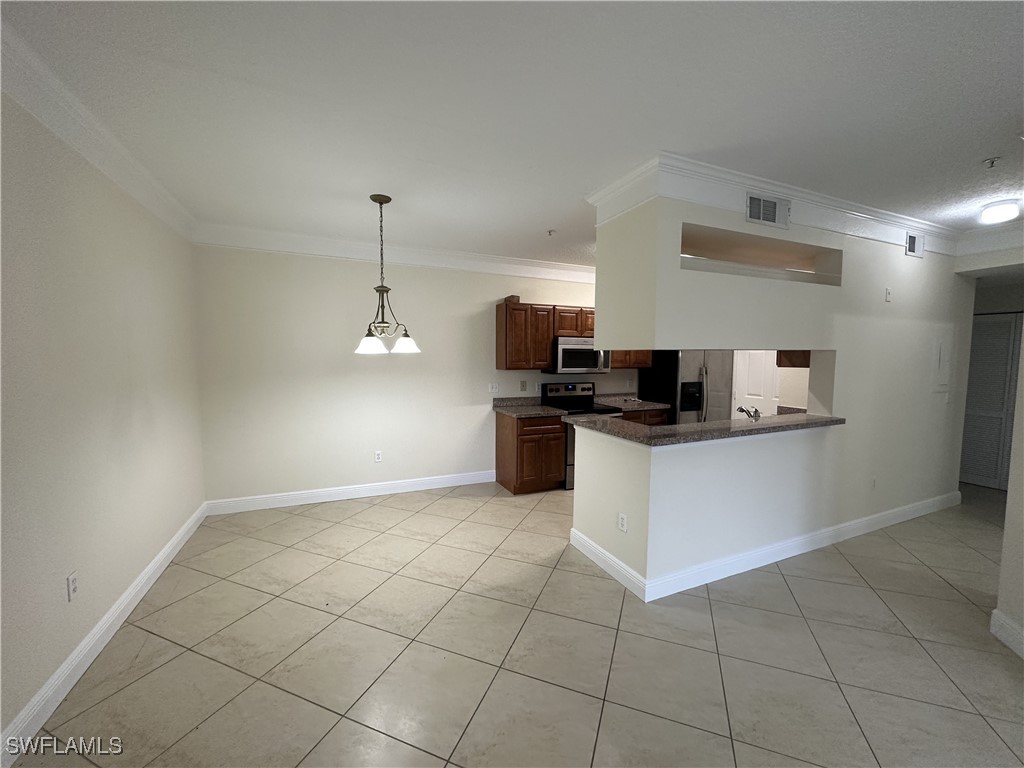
<point>578,399</point>
<point>574,397</point>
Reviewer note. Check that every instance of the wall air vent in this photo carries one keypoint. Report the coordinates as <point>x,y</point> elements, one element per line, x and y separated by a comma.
<point>915,245</point>
<point>768,210</point>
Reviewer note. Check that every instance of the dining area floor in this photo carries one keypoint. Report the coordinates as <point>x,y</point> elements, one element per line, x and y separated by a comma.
<point>458,626</point>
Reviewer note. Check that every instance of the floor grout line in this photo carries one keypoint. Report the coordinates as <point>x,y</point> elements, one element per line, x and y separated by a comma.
<point>500,667</point>
<point>199,725</point>
<point>59,741</point>
<point>608,680</point>
<point>853,714</point>
<point>369,687</point>
<point>533,607</point>
<point>154,669</point>
<point>773,751</point>
<point>721,677</point>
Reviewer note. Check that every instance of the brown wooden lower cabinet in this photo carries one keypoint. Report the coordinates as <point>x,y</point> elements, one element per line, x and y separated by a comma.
<point>651,418</point>
<point>655,418</point>
<point>529,453</point>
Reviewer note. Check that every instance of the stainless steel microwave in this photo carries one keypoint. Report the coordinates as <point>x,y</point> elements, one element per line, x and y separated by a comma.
<point>573,354</point>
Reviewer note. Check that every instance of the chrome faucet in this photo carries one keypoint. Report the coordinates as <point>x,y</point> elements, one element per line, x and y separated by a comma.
<point>755,415</point>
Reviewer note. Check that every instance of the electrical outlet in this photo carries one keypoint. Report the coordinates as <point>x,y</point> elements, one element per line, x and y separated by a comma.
<point>72,586</point>
<point>538,388</point>
<point>492,389</point>
<point>629,383</point>
<point>378,456</point>
<point>522,385</point>
<point>623,522</point>
<point>888,294</point>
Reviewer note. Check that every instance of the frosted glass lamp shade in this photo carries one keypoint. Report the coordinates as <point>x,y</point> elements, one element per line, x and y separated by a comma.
<point>371,345</point>
<point>405,345</point>
<point>997,213</point>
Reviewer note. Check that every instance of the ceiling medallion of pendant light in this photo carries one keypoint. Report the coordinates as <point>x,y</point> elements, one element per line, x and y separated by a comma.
<point>380,328</point>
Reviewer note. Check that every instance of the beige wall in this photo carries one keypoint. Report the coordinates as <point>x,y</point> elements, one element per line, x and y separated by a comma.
<point>895,371</point>
<point>613,476</point>
<point>1011,571</point>
<point>793,386</point>
<point>101,444</point>
<point>288,407</point>
<point>627,280</point>
<point>904,411</point>
<point>904,419</point>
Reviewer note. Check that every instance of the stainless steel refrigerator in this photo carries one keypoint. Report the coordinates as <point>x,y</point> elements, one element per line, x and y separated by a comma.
<point>696,383</point>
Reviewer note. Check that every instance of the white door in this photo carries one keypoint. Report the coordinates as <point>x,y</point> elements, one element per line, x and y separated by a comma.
<point>991,392</point>
<point>755,382</point>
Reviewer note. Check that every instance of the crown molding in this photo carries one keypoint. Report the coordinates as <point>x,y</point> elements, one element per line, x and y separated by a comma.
<point>679,178</point>
<point>1004,237</point>
<point>246,238</point>
<point>34,86</point>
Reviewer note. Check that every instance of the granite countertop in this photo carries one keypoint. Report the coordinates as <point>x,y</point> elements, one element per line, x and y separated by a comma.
<point>712,430</point>
<point>629,403</point>
<point>528,411</point>
<point>530,407</point>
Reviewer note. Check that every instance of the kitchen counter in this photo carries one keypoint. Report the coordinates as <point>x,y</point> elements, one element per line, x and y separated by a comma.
<point>528,411</point>
<point>530,407</point>
<point>666,508</point>
<point>629,403</point>
<point>712,430</point>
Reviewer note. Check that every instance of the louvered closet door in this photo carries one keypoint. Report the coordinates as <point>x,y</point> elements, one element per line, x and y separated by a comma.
<point>991,392</point>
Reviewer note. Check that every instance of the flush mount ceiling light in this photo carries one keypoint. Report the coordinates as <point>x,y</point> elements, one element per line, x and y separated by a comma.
<point>380,327</point>
<point>997,213</point>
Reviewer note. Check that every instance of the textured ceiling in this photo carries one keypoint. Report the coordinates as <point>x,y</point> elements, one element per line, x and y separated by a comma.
<point>489,123</point>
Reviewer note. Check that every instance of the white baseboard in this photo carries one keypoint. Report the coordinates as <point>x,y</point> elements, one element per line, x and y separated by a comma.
<point>293,498</point>
<point>45,702</point>
<point>694,576</point>
<point>48,698</point>
<point>625,575</point>
<point>1007,632</point>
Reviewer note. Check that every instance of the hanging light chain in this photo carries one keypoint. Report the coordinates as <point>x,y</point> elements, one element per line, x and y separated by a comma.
<point>381,206</point>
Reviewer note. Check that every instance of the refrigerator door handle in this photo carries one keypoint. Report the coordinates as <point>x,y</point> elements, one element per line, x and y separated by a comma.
<point>706,378</point>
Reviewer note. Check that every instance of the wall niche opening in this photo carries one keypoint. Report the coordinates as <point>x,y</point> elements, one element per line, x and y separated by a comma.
<point>709,249</point>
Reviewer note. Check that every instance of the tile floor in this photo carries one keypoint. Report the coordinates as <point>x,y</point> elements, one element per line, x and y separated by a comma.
<point>457,626</point>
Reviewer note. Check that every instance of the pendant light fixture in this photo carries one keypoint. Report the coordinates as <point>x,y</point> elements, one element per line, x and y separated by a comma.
<point>380,328</point>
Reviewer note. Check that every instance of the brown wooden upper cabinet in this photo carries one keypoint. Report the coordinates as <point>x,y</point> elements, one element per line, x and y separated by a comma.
<point>793,358</point>
<point>514,337</point>
<point>524,335</point>
<point>588,322</point>
<point>541,336</point>
<point>574,321</point>
<point>631,358</point>
<point>525,332</point>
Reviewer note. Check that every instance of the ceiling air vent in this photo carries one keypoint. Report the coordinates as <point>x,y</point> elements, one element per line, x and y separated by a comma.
<point>768,210</point>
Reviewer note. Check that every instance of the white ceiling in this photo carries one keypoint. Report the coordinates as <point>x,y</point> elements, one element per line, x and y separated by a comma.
<point>489,123</point>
